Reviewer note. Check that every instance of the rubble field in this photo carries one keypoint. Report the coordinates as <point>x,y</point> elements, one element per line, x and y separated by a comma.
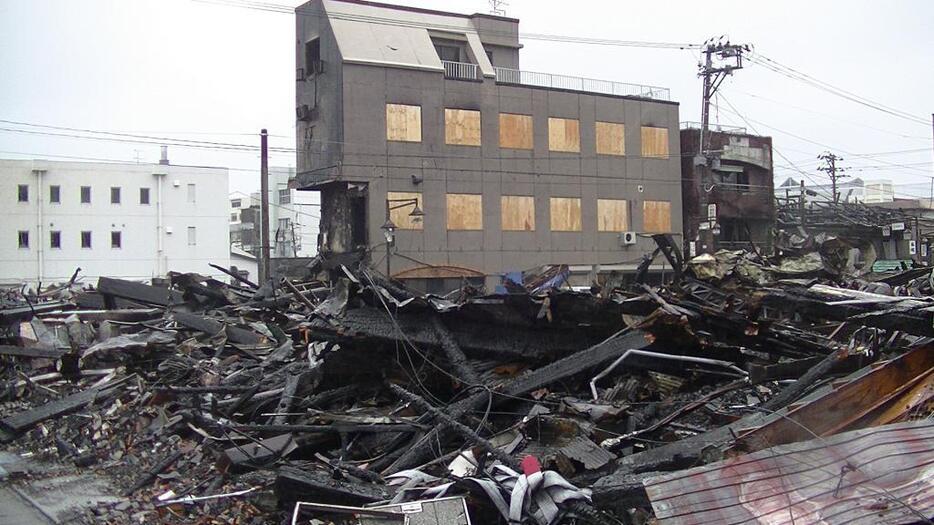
<point>750,389</point>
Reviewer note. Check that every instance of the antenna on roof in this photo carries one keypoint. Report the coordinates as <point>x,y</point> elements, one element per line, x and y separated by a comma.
<point>497,7</point>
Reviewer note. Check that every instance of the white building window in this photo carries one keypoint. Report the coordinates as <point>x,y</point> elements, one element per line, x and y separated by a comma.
<point>85,195</point>
<point>23,239</point>
<point>55,239</point>
<point>192,236</point>
<point>55,194</point>
<point>116,240</point>
<point>285,196</point>
<point>235,203</point>
<point>191,193</point>
<point>144,195</point>
<point>115,195</point>
<point>233,217</point>
<point>85,239</point>
<point>23,193</point>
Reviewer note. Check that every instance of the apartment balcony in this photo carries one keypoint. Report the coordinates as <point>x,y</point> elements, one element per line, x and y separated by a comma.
<point>461,71</point>
<point>588,85</point>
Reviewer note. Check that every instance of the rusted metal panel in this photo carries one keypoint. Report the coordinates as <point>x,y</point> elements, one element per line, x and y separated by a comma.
<point>873,398</point>
<point>871,476</point>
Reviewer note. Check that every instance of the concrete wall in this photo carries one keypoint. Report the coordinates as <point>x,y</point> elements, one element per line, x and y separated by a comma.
<point>492,171</point>
<point>137,258</point>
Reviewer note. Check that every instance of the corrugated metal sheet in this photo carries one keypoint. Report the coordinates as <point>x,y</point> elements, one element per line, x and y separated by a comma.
<point>874,476</point>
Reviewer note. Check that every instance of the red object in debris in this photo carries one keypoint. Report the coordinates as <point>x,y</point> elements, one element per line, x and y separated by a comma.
<point>530,465</point>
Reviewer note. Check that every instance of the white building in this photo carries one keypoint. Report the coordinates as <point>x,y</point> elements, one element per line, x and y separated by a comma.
<point>132,221</point>
<point>293,218</point>
<point>850,190</point>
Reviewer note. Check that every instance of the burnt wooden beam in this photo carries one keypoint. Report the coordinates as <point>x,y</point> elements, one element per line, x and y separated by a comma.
<point>13,425</point>
<point>239,278</point>
<point>138,292</point>
<point>213,327</point>
<point>455,355</point>
<point>33,351</point>
<point>561,369</point>
<point>296,484</point>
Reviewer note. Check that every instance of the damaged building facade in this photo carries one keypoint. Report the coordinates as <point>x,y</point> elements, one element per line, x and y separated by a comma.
<point>727,194</point>
<point>423,134</point>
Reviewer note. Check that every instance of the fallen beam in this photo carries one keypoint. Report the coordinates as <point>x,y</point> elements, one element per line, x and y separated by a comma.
<point>18,423</point>
<point>138,292</point>
<point>213,327</point>
<point>33,351</point>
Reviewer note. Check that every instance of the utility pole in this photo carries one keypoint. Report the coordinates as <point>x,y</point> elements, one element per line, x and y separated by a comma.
<point>264,205</point>
<point>833,171</point>
<point>729,58</point>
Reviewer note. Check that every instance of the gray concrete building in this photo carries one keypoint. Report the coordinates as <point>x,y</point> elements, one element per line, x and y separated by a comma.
<point>512,169</point>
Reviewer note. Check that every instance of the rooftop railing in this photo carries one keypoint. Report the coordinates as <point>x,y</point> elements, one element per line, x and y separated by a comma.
<point>715,127</point>
<point>461,70</point>
<point>590,85</point>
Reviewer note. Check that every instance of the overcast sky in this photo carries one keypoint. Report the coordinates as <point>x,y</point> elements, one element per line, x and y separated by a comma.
<point>203,71</point>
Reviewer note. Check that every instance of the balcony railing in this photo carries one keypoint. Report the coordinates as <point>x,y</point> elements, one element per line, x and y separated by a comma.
<point>590,85</point>
<point>461,70</point>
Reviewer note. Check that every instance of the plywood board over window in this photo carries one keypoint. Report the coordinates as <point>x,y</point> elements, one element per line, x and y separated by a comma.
<point>515,131</point>
<point>564,134</point>
<point>518,213</point>
<point>656,216</point>
<point>403,123</point>
<point>465,211</point>
<point>611,138</point>
<point>400,217</point>
<point>654,142</point>
<point>461,127</point>
<point>565,214</point>
<point>612,215</point>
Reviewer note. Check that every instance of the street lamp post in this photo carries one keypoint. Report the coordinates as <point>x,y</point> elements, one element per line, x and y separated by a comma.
<point>389,227</point>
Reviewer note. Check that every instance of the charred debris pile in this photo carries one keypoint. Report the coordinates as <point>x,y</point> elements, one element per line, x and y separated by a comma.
<point>747,388</point>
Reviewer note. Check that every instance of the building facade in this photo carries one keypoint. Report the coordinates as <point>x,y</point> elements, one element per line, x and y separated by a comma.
<point>132,221</point>
<point>512,169</point>
<point>293,218</point>
<point>848,190</point>
<point>727,193</point>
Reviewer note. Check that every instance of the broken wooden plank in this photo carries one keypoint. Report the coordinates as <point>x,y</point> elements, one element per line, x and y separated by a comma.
<point>213,327</point>
<point>33,351</point>
<point>138,292</point>
<point>20,422</point>
<point>295,484</point>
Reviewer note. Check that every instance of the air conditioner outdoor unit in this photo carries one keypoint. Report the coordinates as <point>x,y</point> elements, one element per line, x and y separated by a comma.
<point>305,112</point>
<point>627,238</point>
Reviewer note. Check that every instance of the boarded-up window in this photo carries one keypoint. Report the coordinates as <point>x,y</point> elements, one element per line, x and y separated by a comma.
<point>461,127</point>
<point>612,215</point>
<point>400,216</point>
<point>465,211</point>
<point>611,138</point>
<point>403,123</point>
<point>656,216</point>
<point>564,134</point>
<point>515,131</point>
<point>518,213</point>
<point>655,142</point>
<point>565,214</point>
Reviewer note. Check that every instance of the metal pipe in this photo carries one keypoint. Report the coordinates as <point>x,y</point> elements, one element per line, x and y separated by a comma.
<point>160,227</point>
<point>673,357</point>
<point>40,239</point>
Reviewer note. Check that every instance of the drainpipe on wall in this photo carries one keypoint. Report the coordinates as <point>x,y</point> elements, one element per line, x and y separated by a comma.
<point>160,227</point>
<point>40,255</point>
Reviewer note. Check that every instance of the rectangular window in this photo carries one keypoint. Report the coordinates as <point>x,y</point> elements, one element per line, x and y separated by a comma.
<point>565,214</point>
<point>285,196</point>
<point>400,215</point>
<point>489,54</point>
<point>85,239</point>
<point>191,193</point>
<point>23,193</point>
<point>115,195</point>
<point>515,131</point>
<point>465,211</point>
<point>656,216</point>
<point>55,239</point>
<point>23,239</point>
<point>612,215</point>
<point>518,213</point>
<point>654,142</point>
<point>116,239</point>
<point>611,138</point>
<point>564,135</point>
<point>403,123</point>
<point>144,195</point>
<point>85,195</point>
<point>192,236</point>
<point>312,57</point>
<point>235,203</point>
<point>233,217</point>
<point>55,194</point>
<point>448,53</point>
<point>461,127</point>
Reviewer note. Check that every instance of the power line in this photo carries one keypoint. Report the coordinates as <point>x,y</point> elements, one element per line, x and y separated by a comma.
<point>794,74</point>
<point>351,17</point>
